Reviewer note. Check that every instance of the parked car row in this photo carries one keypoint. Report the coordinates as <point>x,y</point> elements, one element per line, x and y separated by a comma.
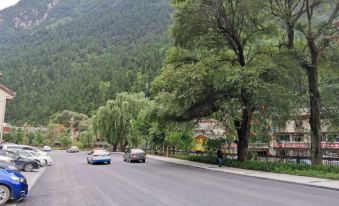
<point>13,159</point>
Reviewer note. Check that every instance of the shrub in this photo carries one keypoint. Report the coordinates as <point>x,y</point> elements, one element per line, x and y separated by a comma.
<point>321,171</point>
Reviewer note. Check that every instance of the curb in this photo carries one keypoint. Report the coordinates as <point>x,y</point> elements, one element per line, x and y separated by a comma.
<point>250,175</point>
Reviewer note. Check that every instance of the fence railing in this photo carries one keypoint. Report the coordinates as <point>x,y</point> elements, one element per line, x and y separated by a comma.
<point>333,161</point>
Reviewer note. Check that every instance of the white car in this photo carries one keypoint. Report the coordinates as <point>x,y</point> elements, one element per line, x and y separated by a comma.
<point>73,149</point>
<point>28,155</point>
<point>99,156</point>
<point>22,147</point>
<point>48,159</point>
<point>46,149</point>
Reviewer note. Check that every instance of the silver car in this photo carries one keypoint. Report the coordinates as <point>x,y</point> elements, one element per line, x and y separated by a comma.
<point>136,155</point>
<point>73,149</point>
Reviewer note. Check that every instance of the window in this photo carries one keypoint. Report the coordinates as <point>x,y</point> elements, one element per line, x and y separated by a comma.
<point>12,155</point>
<point>13,147</point>
<point>330,138</point>
<point>297,138</point>
<point>283,138</point>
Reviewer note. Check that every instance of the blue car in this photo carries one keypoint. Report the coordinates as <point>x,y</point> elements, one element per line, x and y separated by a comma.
<point>13,185</point>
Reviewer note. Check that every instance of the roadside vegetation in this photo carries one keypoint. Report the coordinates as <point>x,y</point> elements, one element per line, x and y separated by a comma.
<point>320,171</point>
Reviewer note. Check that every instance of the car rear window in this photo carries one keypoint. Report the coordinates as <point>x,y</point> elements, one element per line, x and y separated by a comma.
<point>101,152</point>
<point>137,151</point>
<point>13,147</point>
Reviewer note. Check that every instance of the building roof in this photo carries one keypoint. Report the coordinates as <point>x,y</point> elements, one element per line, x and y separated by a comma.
<point>8,91</point>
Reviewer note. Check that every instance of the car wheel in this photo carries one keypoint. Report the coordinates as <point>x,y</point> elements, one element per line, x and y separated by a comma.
<point>46,163</point>
<point>143,161</point>
<point>108,163</point>
<point>28,167</point>
<point>5,194</point>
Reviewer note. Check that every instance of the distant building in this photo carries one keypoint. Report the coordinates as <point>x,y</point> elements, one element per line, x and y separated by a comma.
<point>5,94</point>
<point>292,139</point>
<point>295,139</point>
<point>207,129</point>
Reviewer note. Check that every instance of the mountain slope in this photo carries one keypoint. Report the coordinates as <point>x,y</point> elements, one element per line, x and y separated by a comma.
<point>76,54</point>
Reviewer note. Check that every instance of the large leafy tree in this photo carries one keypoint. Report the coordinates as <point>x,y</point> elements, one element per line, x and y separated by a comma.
<point>68,118</point>
<point>315,22</point>
<point>65,139</point>
<point>223,61</point>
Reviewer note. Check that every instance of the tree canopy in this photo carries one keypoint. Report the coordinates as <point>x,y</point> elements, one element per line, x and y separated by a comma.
<point>224,60</point>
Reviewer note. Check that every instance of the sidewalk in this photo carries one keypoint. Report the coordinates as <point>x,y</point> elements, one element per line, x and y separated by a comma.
<point>309,181</point>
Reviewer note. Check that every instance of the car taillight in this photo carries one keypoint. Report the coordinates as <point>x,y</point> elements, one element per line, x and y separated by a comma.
<point>134,155</point>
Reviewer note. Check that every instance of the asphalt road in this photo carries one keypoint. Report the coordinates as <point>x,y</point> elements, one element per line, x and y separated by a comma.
<point>71,181</point>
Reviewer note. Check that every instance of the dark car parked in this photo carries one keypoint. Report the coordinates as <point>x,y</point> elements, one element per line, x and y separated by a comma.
<point>8,166</point>
<point>24,164</point>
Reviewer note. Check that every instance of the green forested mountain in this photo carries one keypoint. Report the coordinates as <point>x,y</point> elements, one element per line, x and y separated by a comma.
<point>76,54</point>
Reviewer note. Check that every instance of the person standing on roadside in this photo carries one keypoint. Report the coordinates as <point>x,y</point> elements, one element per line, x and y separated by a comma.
<point>220,157</point>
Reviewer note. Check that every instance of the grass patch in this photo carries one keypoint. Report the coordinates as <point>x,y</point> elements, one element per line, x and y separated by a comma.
<point>320,171</point>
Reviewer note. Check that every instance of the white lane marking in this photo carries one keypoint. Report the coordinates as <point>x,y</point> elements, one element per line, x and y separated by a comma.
<point>32,181</point>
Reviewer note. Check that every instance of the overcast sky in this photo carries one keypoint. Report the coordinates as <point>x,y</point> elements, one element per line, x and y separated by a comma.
<point>7,3</point>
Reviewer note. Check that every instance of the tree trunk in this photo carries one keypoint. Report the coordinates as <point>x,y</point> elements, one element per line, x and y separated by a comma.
<point>243,127</point>
<point>290,23</point>
<point>315,115</point>
<point>313,85</point>
<point>115,147</point>
<point>290,35</point>
<point>123,146</point>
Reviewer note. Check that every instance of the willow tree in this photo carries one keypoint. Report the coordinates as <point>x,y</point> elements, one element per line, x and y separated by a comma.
<point>87,138</point>
<point>221,61</point>
<point>113,121</point>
